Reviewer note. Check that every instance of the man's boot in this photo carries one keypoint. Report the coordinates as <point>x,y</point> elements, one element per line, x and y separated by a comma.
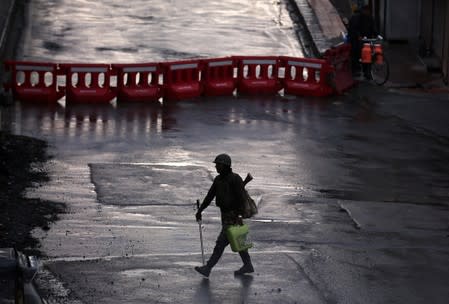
<point>247,268</point>
<point>247,265</point>
<point>204,270</point>
<point>222,242</point>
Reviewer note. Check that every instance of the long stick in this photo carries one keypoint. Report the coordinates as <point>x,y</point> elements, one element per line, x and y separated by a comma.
<point>201,232</point>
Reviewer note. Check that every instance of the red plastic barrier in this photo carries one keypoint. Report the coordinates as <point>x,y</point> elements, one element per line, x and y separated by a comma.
<point>258,75</point>
<point>91,83</point>
<point>88,83</point>
<point>34,81</point>
<point>181,79</point>
<point>218,76</point>
<point>340,58</point>
<point>307,76</point>
<point>138,82</point>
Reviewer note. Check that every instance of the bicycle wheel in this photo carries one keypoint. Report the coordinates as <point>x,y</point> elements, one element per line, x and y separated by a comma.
<point>380,71</point>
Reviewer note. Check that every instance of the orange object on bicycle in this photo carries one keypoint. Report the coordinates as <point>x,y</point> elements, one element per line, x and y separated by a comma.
<point>366,53</point>
<point>379,53</point>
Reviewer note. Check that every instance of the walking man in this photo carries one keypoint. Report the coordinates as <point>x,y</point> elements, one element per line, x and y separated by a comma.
<point>360,25</point>
<point>228,191</point>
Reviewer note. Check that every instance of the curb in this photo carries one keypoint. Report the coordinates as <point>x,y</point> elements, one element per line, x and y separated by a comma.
<point>315,26</point>
<point>304,35</point>
<point>9,37</point>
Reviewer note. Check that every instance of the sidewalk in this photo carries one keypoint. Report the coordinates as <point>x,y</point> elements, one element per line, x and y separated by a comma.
<point>323,22</point>
<point>409,72</point>
<point>413,93</point>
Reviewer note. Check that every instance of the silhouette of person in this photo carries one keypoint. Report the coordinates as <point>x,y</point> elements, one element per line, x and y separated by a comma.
<point>360,25</point>
<point>229,193</point>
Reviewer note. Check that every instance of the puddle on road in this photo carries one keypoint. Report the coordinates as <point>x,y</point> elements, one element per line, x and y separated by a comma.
<point>128,185</point>
<point>134,273</point>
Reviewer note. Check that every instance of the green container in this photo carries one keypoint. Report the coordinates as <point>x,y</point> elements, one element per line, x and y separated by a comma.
<point>237,235</point>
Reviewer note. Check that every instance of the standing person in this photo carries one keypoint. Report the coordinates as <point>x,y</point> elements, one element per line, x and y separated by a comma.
<point>228,190</point>
<point>360,25</point>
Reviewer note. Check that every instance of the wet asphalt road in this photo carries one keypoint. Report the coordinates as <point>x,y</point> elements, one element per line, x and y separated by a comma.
<point>140,31</point>
<point>352,199</point>
<point>132,173</point>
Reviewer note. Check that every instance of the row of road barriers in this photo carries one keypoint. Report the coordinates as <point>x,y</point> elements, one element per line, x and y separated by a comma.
<point>178,80</point>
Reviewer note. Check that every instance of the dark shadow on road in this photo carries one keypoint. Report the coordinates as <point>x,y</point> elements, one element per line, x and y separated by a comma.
<point>246,281</point>
<point>202,294</point>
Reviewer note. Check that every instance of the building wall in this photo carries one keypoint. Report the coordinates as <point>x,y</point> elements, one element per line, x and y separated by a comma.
<point>435,32</point>
<point>439,14</point>
<point>426,31</point>
<point>445,59</point>
<point>403,19</point>
<point>379,10</point>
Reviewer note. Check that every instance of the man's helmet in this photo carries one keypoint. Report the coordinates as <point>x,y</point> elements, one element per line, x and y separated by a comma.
<point>223,159</point>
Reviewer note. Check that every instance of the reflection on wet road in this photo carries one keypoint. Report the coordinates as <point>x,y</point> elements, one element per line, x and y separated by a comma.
<point>326,149</point>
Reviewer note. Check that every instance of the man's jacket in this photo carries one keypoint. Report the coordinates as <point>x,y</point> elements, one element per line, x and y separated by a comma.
<point>229,193</point>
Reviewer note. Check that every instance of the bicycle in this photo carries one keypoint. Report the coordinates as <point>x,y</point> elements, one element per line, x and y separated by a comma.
<point>374,60</point>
